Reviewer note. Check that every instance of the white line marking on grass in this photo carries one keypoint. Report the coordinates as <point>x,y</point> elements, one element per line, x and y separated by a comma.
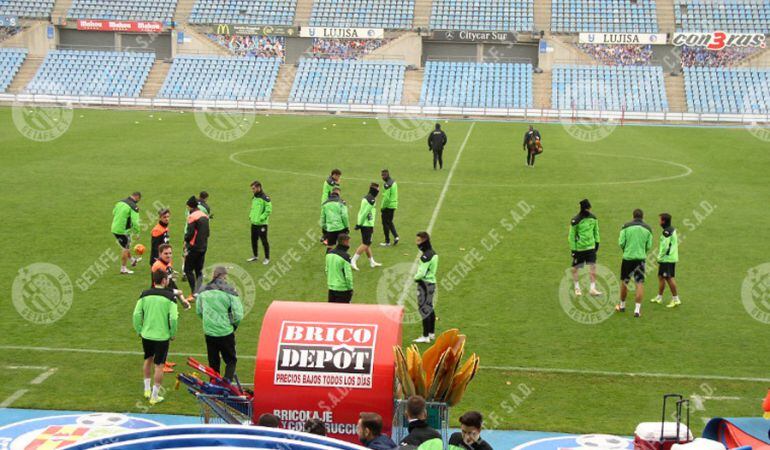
<point>609,373</point>
<point>13,397</point>
<point>99,351</point>
<point>26,367</point>
<point>37,380</point>
<point>43,376</point>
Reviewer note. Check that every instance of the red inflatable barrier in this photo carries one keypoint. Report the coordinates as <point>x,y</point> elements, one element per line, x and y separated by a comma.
<point>327,361</point>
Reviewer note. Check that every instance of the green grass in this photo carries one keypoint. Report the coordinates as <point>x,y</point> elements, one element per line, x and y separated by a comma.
<point>58,196</point>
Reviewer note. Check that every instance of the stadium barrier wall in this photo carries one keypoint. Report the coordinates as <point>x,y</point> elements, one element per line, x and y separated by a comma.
<point>390,110</point>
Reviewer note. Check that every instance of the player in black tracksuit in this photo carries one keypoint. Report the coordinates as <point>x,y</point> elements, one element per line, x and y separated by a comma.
<point>436,143</point>
<point>531,134</point>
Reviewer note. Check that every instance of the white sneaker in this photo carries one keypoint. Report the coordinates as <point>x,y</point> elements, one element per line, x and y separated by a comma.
<point>422,340</point>
<point>266,262</point>
<point>135,260</point>
<point>594,293</point>
<point>252,259</point>
<point>354,266</point>
<point>384,244</point>
<point>126,272</point>
<point>432,336</point>
<point>374,264</point>
<point>578,292</point>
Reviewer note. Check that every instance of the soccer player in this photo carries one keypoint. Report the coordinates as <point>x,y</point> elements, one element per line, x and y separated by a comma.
<point>196,241</point>
<point>668,255</point>
<point>584,244</point>
<point>339,273</point>
<point>635,240</point>
<point>426,286</point>
<point>334,218</point>
<point>221,309</point>
<point>332,182</point>
<point>388,207</point>
<point>436,142</point>
<point>530,135</point>
<point>164,263</point>
<point>155,319</point>
<point>261,208</point>
<point>125,220</point>
<point>159,234</point>
<point>365,223</point>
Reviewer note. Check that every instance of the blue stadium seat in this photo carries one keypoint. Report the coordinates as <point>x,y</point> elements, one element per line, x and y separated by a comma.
<point>92,73</point>
<point>483,15</point>
<point>604,16</point>
<point>33,9</point>
<point>149,10</point>
<point>727,90</point>
<point>348,82</point>
<point>609,88</point>
<point>11,60</point>
<point>220,78</point>
<point>391,14</point>
<point>248,12</point>
<point>736,16</point>
<point>477,85</point>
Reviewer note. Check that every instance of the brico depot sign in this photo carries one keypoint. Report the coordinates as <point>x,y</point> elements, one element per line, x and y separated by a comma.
<point>119,26</point>
<point>327,361</point>
<point>623,38</point>
<point>719,40</point>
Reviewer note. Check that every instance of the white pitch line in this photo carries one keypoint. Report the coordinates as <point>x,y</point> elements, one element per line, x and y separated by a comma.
<point>98,351</point>
<point>43,376</point>
<point>13,397</point>
<point>26,367</point>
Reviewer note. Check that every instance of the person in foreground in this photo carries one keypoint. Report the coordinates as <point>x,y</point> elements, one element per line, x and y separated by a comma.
<point>421,436</point>
<point>426,287</point>
<point>370,432</point>
<point>339,273</point>
<point>469,436</point>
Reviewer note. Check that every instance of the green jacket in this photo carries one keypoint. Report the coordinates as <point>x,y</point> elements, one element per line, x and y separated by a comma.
<point>339,273</point>
<point>125,217</point>
<point>426,271</point>
<point>334,214</point>
<point>367,212</point>
<point>156,315</point>
<point>220,308</point>
<point>583,232</point>
<point>389,195</point>
<point>261,208</point>
<point>329,186</point>
<point>669,246</point>
<point>635,240</point>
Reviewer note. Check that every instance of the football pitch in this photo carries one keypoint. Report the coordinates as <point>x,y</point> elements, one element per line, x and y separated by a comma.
<point>549,361</point>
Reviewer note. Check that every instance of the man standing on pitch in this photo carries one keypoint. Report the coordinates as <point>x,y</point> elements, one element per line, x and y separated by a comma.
<point>334,218</point>
<point>531,135</point>
<point>332,182</point>
<point>636,241</point>
<point>164,263</point>
<point>125,221</point>
<point>388,207</point>
<point>339,273</point>
<point>196,241</point>
<point>426,287</point>
<point>221,310</point>
<point>436,142</point>
<point>668,255</point>
<point>261,208</point>
<point>584,244</point>
<point>365,223</point>
<point>155,319</point>
<point>159,234</point>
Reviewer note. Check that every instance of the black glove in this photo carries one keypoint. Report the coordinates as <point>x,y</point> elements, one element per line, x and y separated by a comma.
<point>597,247</point>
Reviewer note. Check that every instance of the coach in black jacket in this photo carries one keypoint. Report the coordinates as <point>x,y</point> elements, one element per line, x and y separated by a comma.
<point>436,143</point>
<point>419,430</point>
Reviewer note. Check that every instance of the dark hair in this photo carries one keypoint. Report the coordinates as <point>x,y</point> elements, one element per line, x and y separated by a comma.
<point>666,217</point>
<point>423,235</point>
<point>385,171</point>
<point>204,195</point>
<point>163,247</point>
<point>337,190</point>
<point>638,214</point>
<point>342,237</point>
<point>163,212</point>
<point>336,172</point>
<point>472,419</point>
<point>136,194</point>
<point>372,422</point>
<point>375,186</point>
<point>315,426</point>
<point>256,183</point>
<point>415,406</point>
<point>269,420</point>
<point>158,277</point>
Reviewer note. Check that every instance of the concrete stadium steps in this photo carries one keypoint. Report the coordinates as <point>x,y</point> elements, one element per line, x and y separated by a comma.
<point>677,101</point>
<point>412,87</point>
<point>665,9</point>
<point>565,51</point>
<point>422,11</point>
<point>284,82</point>
<point>302,13</point>
<point>200,44</point>
<point>60,9</point>
<point>407,47</point>
<point>542,11</point>
<point>155,79</point>
<point>541,89</point>
<point>760,60</point>
<point>26,73</point>
<point>34,38</point>
<point>183,10</point>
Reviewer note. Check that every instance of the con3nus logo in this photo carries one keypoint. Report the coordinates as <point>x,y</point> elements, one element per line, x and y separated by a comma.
<point>719,40</point>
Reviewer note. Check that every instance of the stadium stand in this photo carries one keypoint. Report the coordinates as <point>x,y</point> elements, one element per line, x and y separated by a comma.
<point>737,16</point>
<point>220,78</point>
<point>608,16</point>
<point>619,55</point>
<point>247,12</point>
<point>345,48</point>
<point>393,14</point>
<point>32,9</point>
<point>477,85</point>
<point>8,32</point>
<point>728,56</point>
<point>252,45</point>
<point>348,82</point>
<point>608,88</point>
<point>150,10</point>
<point>483,15</point>
<point>726,90</point>
<point>92,73</point>
<point>11,60</point>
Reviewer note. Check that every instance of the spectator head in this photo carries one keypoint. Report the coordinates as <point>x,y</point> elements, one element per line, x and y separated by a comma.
<point>256,187</point>
<point>336,175</point>
<point>470,426</point>
<point>638,214</point>
<point>369,426</point>
<point>159,278</point>
<point>315,426</point>
<point>269,420</point>
<point>415,406</point>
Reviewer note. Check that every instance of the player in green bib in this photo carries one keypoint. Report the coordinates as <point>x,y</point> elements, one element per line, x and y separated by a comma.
<point>365,223</point>
<point>668,255</point>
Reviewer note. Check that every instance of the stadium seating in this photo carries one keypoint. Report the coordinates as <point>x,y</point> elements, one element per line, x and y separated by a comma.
<point>608,88</point>
<point>608,16</point>
<point>250,12</point>
<point>220,78</point>
<point>348,82</point>
<point>393,14</point>
<point>11,60</point>
<point>737,16</point>
<point>150,10</point>
<point>477,85</point>
<point>723,90</point>
<point>33,9</point>
<point>483,15</point>
<point>92,73</point>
